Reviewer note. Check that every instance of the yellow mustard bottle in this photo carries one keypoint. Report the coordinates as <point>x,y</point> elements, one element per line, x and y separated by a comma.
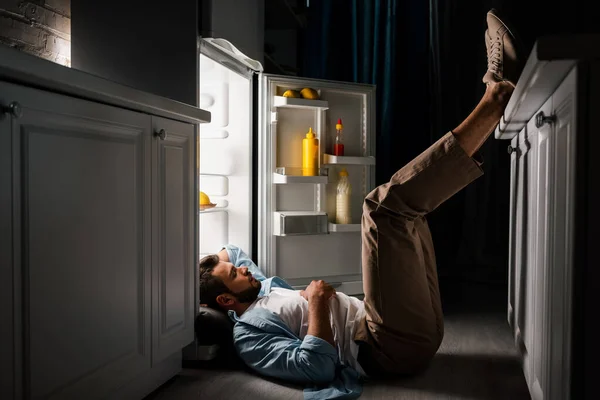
<point>310,154</point>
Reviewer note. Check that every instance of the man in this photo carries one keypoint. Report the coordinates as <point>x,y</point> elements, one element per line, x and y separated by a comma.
<point>318,336</point>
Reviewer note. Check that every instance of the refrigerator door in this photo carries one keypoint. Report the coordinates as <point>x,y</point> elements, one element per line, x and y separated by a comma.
<point>225,149</point>
<point>303,250</point>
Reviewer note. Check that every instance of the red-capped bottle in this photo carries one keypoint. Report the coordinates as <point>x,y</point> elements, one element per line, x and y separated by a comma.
<point>338,147</point>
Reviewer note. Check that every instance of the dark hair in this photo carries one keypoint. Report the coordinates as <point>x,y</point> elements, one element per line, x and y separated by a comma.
<point>210,286</point>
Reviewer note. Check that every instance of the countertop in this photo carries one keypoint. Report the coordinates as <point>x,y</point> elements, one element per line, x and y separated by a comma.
<point>549,62</point>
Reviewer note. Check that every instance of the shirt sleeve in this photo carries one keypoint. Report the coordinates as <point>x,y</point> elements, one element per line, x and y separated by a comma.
<point>239,258</point>
<point>311,360</point>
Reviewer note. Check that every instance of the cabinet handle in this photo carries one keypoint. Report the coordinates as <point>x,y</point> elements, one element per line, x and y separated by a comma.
<point>512,149</point>
<point>13,109</point>
<point>162,134</point>
<point>541,119</point>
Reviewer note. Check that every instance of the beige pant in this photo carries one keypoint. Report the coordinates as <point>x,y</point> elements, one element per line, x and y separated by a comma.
<point>404,326</point>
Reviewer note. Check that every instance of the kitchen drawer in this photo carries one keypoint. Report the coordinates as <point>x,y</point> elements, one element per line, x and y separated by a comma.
<point>300,223</point>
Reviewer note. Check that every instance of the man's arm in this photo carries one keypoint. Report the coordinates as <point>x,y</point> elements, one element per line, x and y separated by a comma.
<point>318,294</point>
<point>319,324</point>
<point>311,360</point>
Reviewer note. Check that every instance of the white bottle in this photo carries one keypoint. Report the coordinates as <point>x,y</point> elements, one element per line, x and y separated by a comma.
<point>342,203</point>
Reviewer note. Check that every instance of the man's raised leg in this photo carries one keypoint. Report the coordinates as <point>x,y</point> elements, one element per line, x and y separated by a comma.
<point>404,323</point>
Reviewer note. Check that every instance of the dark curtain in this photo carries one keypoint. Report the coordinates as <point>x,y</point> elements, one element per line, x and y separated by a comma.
<point>364,41</point>
<point>471,231</point>
<point>427,59</point>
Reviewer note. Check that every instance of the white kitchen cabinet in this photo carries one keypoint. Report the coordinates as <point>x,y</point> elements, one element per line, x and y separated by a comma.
<point>521,157</point>
<point>513,229</point>
<point>98,242</point>
<point>8,358</point>
<point>541,140</point>
<point>81,250</point>
<point>174,170</point>
<point>550,121</point>
<point>558,292</point>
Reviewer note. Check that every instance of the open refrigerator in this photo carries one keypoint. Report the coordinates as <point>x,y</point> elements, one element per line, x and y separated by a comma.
<point>250,159</point>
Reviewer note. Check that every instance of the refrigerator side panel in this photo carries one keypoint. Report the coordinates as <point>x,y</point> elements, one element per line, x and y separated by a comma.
<point>265,167</point>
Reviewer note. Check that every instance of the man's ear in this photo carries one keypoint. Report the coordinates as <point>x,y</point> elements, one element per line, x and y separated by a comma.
<point>226,300</point>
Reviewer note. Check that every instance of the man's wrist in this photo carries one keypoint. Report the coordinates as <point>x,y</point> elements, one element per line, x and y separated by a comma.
<point>317,298</point>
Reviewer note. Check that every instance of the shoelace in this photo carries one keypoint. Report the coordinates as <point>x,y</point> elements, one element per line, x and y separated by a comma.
<point>495,56</point>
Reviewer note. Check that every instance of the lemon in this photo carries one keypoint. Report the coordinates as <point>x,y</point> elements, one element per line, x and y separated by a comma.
<point>310,94</point>
<point>292,93</point>
<point>204,200</point>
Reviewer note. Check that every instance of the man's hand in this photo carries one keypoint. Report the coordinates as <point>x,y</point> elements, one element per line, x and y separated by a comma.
<point>318,294</point>
<point>318,290</point>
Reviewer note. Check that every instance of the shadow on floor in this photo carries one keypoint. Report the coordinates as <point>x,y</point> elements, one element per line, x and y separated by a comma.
<point>458,376</point>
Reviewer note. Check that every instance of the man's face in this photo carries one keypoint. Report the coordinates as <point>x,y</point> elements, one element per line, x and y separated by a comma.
<point>239,280</point>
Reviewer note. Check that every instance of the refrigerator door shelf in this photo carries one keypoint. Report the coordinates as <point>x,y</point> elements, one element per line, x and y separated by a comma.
<point>291,102</point>
<point>288,179</point>
<point>288,175</point>
<point>212,210</point>
<point>220,205</point>
<point>329,159</point>
<point>344,227</point>
<point>291,223</point>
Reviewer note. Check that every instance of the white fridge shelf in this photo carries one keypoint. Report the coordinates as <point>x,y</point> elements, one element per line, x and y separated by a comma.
<point>329,159</point>
<point>220,205</point>
<point>344,227</point>
<point>213,210</point>
<point>291,102</point>
<point>289,179</point>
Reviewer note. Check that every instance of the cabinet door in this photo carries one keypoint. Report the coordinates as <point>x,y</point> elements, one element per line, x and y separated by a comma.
<point>7,341</point>
<point>81,250</point>
<point>558,295</point>
<point>174,216</point>
<point>515,204</point>
<point>542,187</point>
<point>521,249</point>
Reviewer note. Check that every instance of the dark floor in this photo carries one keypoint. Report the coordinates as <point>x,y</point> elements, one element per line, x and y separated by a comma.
<point>477,360</point>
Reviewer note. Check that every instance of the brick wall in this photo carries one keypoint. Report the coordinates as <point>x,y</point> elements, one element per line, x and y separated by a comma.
<point>38,27</point>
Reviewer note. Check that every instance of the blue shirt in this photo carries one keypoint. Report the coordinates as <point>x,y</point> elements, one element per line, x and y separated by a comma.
<point>268,346</point>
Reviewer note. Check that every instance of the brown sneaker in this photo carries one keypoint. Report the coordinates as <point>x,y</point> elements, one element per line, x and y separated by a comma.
<point>503,62</point>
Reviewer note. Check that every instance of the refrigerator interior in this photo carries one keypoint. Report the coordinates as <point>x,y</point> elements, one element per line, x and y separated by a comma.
<point>225,157</point>
<point>324,250</point>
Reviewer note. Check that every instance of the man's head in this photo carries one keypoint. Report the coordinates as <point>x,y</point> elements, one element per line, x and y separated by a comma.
<point>225,287</point>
